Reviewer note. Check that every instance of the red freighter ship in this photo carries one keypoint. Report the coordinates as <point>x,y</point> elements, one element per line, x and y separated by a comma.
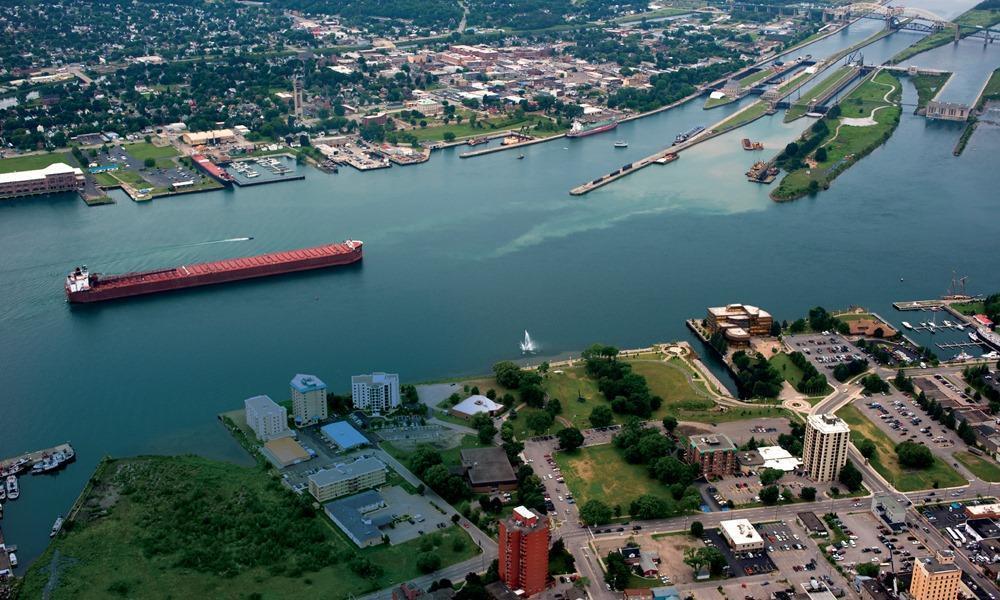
<point>83,286</point>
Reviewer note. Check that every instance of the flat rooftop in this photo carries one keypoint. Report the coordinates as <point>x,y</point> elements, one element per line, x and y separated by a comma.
<point>828,424</point>
<point>711,443</point>
<point>342,472</point>
<point>741,531</point>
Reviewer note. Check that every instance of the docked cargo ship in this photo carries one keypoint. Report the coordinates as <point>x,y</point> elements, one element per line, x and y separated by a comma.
<point>683,137</point>
<point>83,286</point>
<point>581,129</point>
<point>212,170</point>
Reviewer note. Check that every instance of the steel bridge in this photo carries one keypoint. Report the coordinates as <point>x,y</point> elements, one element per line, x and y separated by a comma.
<point>913,19</point>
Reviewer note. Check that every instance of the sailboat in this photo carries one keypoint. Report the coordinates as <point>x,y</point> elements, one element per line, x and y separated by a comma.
<point>527,344</point>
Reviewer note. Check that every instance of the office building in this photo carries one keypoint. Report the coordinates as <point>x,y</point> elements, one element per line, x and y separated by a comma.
<point>267,419</point>
<point>825,450</point>
<point>344,479</point>
<point>308,399</point>
<point>887,508</point>
<point>741,535</point>
<point>524,551</point>
<point>378,392</point>
<point>57,177</point>
<point>936,578</point>
<point>738,323</point>
<point>715,453</point>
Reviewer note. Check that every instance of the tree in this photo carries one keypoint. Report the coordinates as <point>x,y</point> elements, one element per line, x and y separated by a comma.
<point>595,512</point>
<point>850,476</point>
<point>808,494</point>
<point>708,556</point>
<point>449,136</point>
<point>821,155</point>
<point>647,507</point>
<point>601,416</point>
<point>149,163</point>
<point>867,448</point>
<point>697,529</point>
<point>539,421</point>
<point>553,406</point>
<point>670,423</point>
<point>618,572</point>
<point>770,476</point>
<point>428,562</point>
<point>769,495</point>
<point>570,438</point>
<point>867,569</point>
<point>914,456</point>
<point>507,374</point>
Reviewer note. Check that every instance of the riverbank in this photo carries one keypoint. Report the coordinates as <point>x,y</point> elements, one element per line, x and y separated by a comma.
<point>865,120</point>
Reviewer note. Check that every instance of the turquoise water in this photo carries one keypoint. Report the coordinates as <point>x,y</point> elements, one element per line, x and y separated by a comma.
<point>461,256</point>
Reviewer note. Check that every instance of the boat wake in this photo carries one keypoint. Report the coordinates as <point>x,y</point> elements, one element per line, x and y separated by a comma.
<point>227,240</point>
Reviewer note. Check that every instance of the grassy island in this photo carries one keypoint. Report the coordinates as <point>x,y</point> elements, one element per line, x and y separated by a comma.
<point>928,86</point>
<point>861,122</point>
<point>188,527</point>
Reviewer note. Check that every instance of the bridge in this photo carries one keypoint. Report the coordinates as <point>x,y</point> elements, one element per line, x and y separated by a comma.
<point>913,19</point>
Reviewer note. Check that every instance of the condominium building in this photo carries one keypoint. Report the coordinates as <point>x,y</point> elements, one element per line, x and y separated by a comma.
<point>936,578</point>
<point>738,323</point>
<point>378,392</point>
<point>343,479</point>
<point>267,419</point>
<point>824,453</point>
<point>524,551</point>
<point>308,399</point>
<point>57,177</point>
<point>715,453</point>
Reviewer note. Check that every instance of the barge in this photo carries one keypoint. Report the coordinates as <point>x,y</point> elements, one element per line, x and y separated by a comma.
<point>83,286</point>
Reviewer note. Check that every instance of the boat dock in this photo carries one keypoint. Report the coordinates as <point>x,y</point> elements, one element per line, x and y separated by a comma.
<point>954,345</point>
<point>528,142</point>
<point>918,304</point>
<point>37,455</point>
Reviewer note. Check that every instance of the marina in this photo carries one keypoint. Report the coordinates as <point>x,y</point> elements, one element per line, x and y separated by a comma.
<point>26,462</point>
<point>262,170</point>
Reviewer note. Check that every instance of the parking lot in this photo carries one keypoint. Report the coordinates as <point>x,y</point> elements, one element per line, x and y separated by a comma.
<point>744,490</point>
<point>825,351</point>
<point>871,541</point>
<point>740,564</point>
<point>796,555</point>
<point>762,430</point>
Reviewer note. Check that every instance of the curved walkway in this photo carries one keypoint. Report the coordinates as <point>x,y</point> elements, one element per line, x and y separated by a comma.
<point>867,121</point>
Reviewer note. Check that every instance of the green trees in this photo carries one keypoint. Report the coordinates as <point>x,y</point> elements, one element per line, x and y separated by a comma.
<point>844,371</point>
<point>595,512</point>
<point>601,416</point>
<point>697,529</point>
<point>850,476</point>
<point>428,562</point>
<point>813,382</point>
<point>669,423</point>
<point>756,377</point>
<point>648,506</point>
<point>867,569</point>
<point>570,438</point>
<point>914,455</point>
<point>540,421</point>
<point>873,384</point>
<point>867,448</point>
<point>769,495</point>
<point>808,494</point>
<point>821,154</point>
<point>618,572</point>
<point>770,476</point>
<point>628,391</point>
<point>483,423</point>
<point>708,556</point>
<point>149,163</point>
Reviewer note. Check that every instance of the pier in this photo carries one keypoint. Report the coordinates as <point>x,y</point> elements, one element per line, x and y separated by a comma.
<point>955,345</point>
<point>37,455</point>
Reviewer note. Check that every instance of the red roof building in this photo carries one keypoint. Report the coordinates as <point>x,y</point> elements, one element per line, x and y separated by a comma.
<point>524,551</point>
<point>984,320</point>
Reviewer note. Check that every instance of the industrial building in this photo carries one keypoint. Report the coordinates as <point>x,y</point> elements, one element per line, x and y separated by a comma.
<point>267,419</point>
<point>343,435</point>
<point>741,535</point>
<point>524,552</point>
<point>344,479</point>
<point>488,470</point>
<point>715,453</point>
<point>214,136</point>
<point>361,517</point>
<point>936,578</point>
<point>57,177</point>
<point>378,392</point>
<point>824,452</point>
<point>308,399</point>
<point>738,323</point>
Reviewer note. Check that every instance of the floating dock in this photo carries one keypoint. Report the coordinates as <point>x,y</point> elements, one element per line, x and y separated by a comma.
<point>37,455</point>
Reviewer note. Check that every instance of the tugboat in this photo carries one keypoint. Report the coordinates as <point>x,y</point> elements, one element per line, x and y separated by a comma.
<point>13,491</point>
<point>621,144</point>
<point>56,526</point>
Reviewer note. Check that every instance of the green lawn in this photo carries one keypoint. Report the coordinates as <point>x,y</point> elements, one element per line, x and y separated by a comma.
<point>746,115</point>
<point>783,363</point>
<point>754,78</point>
<point>653,14</point>
<point>246,523</point>
<point>850,143</point>
<point>928,86</point>
<point>464,129</point>
<point>569,386</point>
<point>982,467</point>
<point>714,102</point>
<point>799,108</point>
<point>885,462</point>
<point>144,150</point>
<point>600,473</point>
<point>35,161</point>
<point>991,91</point>
<point>970,308</point>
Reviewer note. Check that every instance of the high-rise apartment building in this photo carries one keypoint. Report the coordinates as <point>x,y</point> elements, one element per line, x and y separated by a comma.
<point>267,419</point>
<point>308,399</point>
<point>715,453</point>
<point>524,551</point>
<point>936,578</point>
<point>824,452</point>
<point>378,392</point>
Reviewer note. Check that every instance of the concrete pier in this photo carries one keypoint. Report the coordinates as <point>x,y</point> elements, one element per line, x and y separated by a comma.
<point>37,455</point>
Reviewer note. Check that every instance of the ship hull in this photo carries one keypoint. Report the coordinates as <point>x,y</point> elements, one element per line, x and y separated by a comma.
<point>594,131</point>
<point>198,276</point>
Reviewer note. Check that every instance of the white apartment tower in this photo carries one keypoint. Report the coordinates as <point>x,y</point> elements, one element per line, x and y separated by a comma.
<point>825,450</point>
<point>308,399</point>
<point>267,419</point>
<point>378,392</point>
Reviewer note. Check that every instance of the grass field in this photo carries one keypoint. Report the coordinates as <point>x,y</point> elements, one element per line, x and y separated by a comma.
<point>464,129</point>
<point>981,467</point>
<point>35,161</point>
<point>928,86</point>
<point>991,91</point>
<point>847,144</point>
<point>714,102</point>
<point>885,462</point>
<point>970,308</point>
<point>754,111</point>
<point>600,473</point>
<point>798,109</point>
<point>653,14</point>
<point>756,77</point>
<point>568,387</point>
<point>137,550</point>
<point>144,150</point>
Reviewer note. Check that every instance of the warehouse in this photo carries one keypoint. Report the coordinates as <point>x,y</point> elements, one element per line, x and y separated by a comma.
<point>343,435</point>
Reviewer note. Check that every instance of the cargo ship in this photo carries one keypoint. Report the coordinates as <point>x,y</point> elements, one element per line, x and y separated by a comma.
<point>212,170</point>
<point>84,286</point>
<point>683,137</point>
<point>581,129</point>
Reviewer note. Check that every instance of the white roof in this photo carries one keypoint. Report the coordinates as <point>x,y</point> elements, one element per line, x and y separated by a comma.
<point>828,424</point>
<point>524,512</point>
<point>773,452</point>
<point>53,169</point>
<point>776,457</point>
<point>741,531</point>
<point>477,404</point>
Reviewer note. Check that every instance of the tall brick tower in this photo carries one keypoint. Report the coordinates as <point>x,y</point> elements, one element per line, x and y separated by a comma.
<point>524,551</point>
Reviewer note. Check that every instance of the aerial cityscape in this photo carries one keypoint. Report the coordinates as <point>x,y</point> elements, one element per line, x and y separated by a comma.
<point>500,299</point>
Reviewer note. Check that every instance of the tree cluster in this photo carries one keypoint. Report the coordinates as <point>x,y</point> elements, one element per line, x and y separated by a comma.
<point>756,377</point>
<point>628,392</point>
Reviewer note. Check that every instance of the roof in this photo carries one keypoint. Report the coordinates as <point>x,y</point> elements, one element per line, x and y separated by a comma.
<point>307,383</point>
<point>750,458</point>
<point>477,404</point>
<point>376,378</point>
<point>666,593</point>
<point>776,457</point>
<point>487,465</point>
<point>353,514</point>
<point>342,472</point>
<point>828,424</point>
<point>811,521</point>
<point>342,434</point>
<point>711,443</point>
<point>53,169</point>
<point>286,451</point>
<point>261,403</point>
<point>741,531</point>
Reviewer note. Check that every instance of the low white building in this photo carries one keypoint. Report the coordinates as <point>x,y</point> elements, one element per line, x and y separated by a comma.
<point>267,419</point>
<point>741,535</point>
<point>776,457</point>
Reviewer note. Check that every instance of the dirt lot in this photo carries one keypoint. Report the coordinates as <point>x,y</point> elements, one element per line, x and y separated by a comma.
<point>670,548</point>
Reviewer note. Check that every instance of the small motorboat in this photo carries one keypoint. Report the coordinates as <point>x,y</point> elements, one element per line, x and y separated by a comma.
<point>520,157</point>
<point>56,526</point>
<point>13,491</point>
<point>621,144</point>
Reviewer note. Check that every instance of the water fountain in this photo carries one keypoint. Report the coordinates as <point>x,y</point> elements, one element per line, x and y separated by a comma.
<point>527,344</point>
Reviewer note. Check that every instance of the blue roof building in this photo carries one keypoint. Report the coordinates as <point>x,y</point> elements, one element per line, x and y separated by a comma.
<point>307,383</point>
<point>343,435</point>
<point>308,399</point>
<point>360,516</point>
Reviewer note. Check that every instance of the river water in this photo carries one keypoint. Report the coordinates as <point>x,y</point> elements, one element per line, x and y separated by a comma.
<point>461,256</point>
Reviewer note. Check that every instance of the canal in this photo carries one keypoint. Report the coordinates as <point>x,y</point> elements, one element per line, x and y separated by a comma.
<point>461,256</point>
